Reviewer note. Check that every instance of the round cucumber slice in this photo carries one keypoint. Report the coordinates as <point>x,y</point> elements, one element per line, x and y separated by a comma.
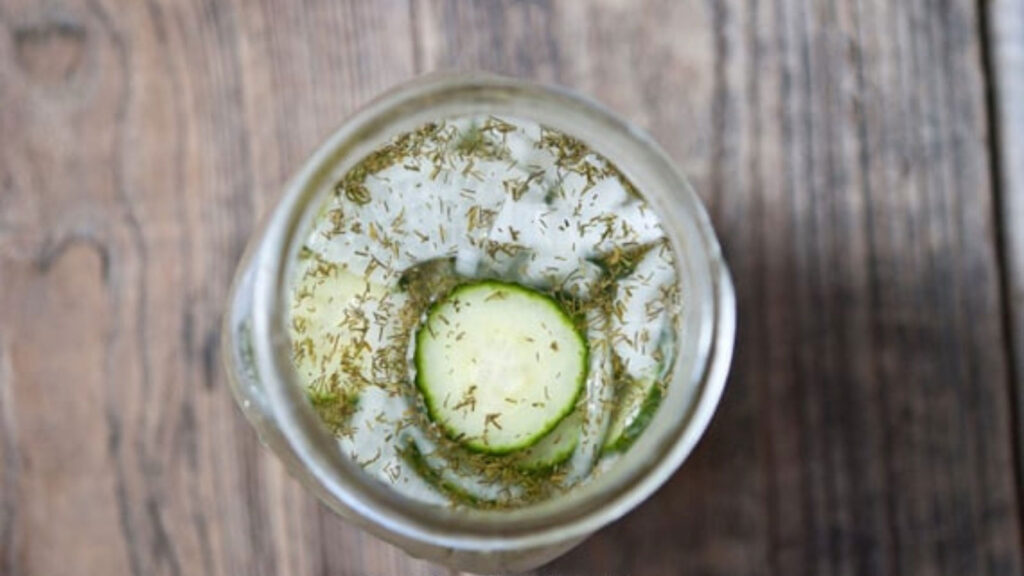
<point>635,407</point>
<point>555,447</point>
<point>499,365</point>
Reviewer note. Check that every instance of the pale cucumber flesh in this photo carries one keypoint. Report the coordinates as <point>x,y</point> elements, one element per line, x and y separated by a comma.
<point>499,366</point>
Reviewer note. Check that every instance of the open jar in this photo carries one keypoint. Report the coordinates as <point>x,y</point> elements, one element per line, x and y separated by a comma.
<point>259,354</point>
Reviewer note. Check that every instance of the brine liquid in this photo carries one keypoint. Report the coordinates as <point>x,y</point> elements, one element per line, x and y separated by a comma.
<point>458,201</point>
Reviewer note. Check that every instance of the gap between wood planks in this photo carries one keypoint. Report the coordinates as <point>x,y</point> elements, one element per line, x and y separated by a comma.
<point>993,71</point>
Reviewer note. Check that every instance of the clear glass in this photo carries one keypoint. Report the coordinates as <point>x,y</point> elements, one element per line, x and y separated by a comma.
<point>257,351</point>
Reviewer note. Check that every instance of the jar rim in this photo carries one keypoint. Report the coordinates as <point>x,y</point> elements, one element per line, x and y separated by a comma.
<point>344,486</point>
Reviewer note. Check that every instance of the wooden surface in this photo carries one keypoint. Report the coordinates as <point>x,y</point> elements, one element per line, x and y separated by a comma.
<point>846,152</point>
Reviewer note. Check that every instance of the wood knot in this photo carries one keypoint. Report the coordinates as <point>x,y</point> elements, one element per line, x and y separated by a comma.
<point>50,52</point>
<point>55,251</point>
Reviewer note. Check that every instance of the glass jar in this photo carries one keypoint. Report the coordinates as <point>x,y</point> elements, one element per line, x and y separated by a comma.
<point>257,348</point>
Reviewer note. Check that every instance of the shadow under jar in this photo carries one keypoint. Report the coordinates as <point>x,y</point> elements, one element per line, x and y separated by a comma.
<point>645,222</point>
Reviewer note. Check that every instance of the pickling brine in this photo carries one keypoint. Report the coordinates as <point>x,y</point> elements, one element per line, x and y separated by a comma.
<point>484,313</point>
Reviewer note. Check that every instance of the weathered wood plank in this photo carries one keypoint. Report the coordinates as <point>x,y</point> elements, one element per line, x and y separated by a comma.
<point>841,147</point>
<point>1005,25</point>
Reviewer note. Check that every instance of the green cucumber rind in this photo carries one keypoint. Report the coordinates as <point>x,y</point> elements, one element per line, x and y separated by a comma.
<point>415,458</point>
<point>639,422</point>
<point>538,460</point>
<point>430,402</point>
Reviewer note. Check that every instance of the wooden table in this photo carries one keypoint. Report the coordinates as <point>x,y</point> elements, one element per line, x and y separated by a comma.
<point>863,161</point>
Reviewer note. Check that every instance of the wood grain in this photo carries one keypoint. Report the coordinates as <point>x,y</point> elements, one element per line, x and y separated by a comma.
<point>842,148</point>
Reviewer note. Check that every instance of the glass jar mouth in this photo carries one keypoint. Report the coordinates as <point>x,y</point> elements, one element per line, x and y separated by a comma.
<point>706,342</point>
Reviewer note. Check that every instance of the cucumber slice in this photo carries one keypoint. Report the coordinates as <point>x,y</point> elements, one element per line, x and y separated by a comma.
<point>499,365</point>
<point>322,325</point>
<point>600,391</point>
<point>635,406</point>
<point>439,474</point>
<point>555,448</point>
<point>646,336</point>
<point>338,320</point>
